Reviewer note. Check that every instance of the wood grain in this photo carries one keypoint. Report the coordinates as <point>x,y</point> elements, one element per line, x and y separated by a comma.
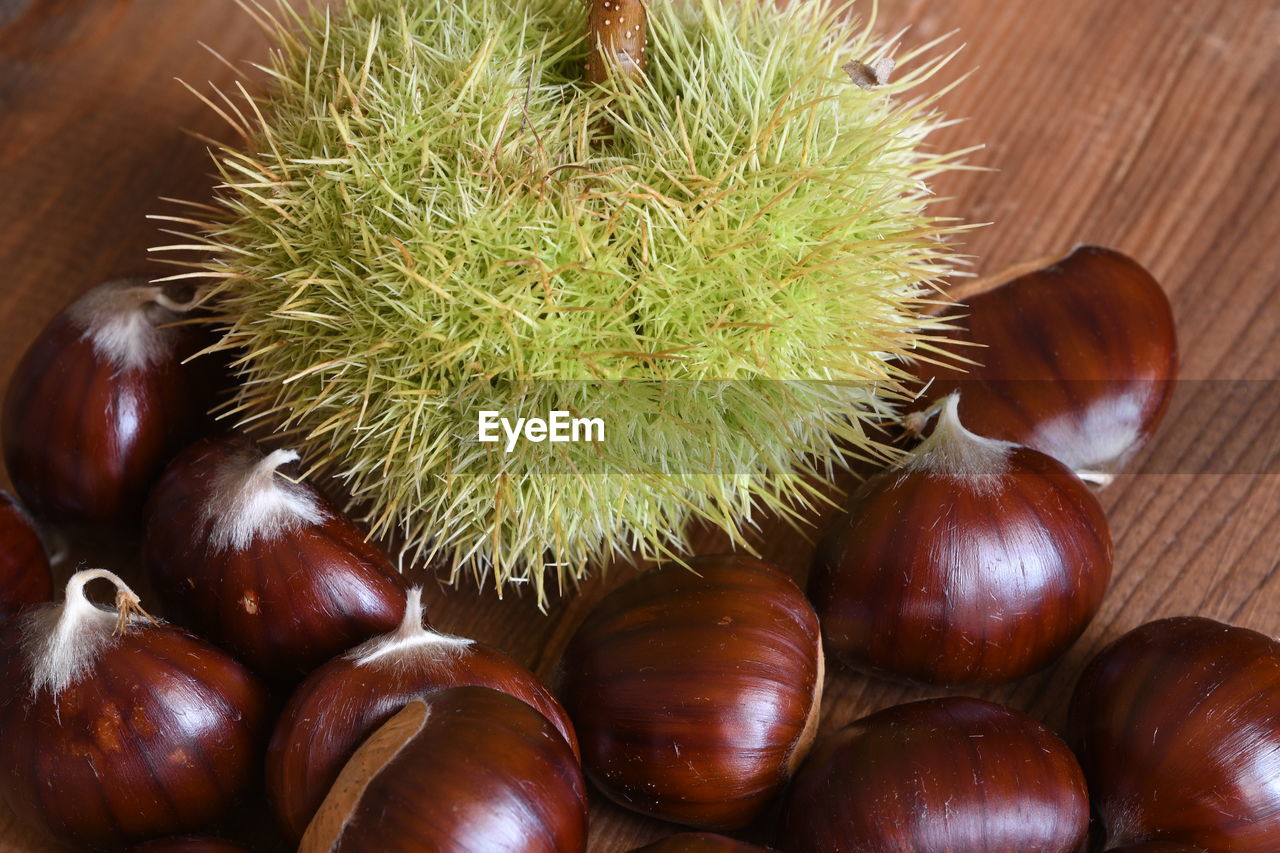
<point>1150,125</point>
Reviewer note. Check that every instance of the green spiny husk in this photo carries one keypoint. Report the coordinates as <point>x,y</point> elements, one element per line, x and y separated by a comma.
<point>424,222</point>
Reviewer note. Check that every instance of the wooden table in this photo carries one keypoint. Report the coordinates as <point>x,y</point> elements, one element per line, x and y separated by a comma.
<point>1149,125</point>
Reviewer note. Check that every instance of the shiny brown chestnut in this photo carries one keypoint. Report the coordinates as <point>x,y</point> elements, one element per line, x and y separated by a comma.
<point>343,701</point>
<point>188,844</point>
<point>99,403</point>
<point>262,565</point>
<point>1160,847</point>
<point>117,729</point>
<point>1177,725</point>
<point>699,842</point>
<point>461,769</point>
<point>696,693</point>
<point>1076,359</point>
<point>974,561</point>
<point>25,578</point>
<point>942,775</point>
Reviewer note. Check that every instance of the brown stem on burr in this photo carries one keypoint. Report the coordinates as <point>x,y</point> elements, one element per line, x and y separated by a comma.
<point>616,32</point>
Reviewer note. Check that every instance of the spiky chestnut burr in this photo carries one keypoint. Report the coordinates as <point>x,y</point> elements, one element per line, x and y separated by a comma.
<point>725,282</point>
<point>262,565</point>
<point>1076,359</point>
<point>99,402</point>
<point>118,728</point>
<point>343,701</point>
<point>459,770</point>
<point>25,578</point>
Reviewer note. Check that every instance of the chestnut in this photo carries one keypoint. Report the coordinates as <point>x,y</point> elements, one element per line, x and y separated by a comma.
<point>343,701</point>
<point>262,565</point>
<point>461,769</point>
<point>99,402</point>
<point>698,842</point>
<point>1076,359</point>
<point>695,690</point>
<point>974,561</point>
<point>1177,725</point>
<point>119,729</point>
<point>188,844</point>
<point>938,776</point>
<point>1160,847</point>
<point>25,578</point>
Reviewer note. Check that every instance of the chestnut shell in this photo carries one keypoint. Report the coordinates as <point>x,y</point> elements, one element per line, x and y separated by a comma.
<point>694,693</point>
<point>937,776</point>
<point>283,605</point>
<point>930,579</point>
<point>161,738</point>
<point>342,702</point>
<point>25,578</point>
<point>462,769</point>
<point>1177,725</point>
<point>1077,359</point>
<point>83,439</point>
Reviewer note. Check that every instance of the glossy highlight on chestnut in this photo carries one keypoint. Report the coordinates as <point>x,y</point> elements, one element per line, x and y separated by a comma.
<point>938,776</point>
<point>1177,725</point>
<point>695,689</point>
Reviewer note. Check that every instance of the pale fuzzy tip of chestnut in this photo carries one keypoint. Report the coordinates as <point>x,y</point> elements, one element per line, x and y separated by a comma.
<point>62,641</point>
<point>126,321</point>
<point>411,638</point>
<point>953,452</point>
<point>252,501</point>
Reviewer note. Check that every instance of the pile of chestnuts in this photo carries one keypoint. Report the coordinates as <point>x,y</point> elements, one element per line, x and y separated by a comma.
<point>294,666</point>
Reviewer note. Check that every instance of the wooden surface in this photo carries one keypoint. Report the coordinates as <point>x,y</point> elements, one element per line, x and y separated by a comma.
<point>1149,125</point>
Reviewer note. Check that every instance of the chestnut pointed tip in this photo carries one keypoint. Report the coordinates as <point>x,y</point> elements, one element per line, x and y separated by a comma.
<point>955,452</point>
<point>250,501</point>
<point>64,640</point>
